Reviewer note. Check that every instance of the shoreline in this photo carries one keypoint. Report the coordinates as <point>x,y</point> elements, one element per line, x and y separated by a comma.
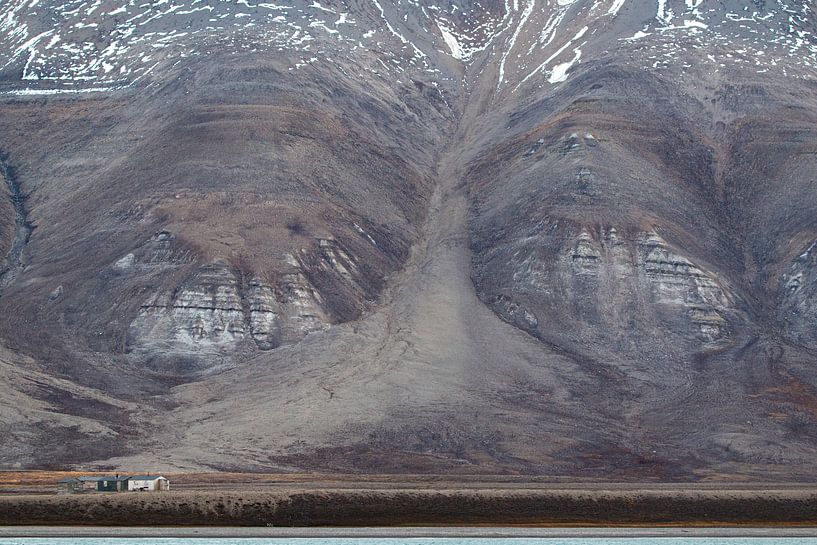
<point>399,532</point>
<point>321,508</point>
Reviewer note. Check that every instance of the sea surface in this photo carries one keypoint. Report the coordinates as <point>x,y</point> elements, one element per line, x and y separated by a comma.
<point>413,541</point>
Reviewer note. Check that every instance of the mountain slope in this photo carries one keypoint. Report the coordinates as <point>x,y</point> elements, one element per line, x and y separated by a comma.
<point>562,238</point>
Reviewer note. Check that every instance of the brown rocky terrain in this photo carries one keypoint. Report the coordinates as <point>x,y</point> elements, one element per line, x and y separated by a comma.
<point>329,507</point>
<point>272,500</point>
<point>559,238</point>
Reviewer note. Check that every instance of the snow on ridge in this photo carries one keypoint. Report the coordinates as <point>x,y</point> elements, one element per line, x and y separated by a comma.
<point>418,51</point>
<point>140,34</point>
<point>45,92</point>
<point>562,69</point>
<point>463,45</point>
<point>108,44</point>
<point>522,20</point>
<point>662,14</point>
<point>779,34</point>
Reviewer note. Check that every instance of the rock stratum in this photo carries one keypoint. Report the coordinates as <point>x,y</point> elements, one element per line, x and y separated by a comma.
<point>568,238</point>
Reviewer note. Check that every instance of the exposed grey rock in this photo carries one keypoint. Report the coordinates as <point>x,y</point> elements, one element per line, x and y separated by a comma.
<point>585,257</point>
<point>210,312</point>
<point>606,280</point>
<point>56,293</point>
<point>676,281</point>
<point>264,315</point>
<point>125,262</point>
<point>798,297</point>
<point>301,313</point>
<point>163,249</point>
<point>205,314</point>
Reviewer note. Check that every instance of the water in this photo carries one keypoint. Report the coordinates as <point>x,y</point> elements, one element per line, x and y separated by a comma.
<point>413,541</point>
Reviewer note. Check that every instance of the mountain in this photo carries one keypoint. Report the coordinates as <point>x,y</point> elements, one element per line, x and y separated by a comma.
<point>566,238</point>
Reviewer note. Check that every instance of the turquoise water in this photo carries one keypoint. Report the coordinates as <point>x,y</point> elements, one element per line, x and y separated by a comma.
<point>410,541</point>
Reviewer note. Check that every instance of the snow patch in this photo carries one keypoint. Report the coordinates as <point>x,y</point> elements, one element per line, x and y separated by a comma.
<point>615,7</point>
<point>523,19</point>
<point>559,72</point>
<point>451,42</point>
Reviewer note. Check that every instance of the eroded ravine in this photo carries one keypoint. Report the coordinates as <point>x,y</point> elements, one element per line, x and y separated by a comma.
<point>13,262</point>
<point>430,355</point>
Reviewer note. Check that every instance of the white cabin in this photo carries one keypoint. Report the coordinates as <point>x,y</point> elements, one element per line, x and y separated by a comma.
<point>148,483</point>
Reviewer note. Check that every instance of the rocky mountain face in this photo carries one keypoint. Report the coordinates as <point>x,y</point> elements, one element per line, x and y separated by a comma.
<point>556,237</point>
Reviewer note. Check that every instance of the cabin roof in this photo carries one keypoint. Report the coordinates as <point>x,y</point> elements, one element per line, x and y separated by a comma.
<point>120,478</point>
<point>103,478</point>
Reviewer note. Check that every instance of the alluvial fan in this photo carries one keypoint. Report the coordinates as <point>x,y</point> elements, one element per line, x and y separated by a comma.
<point>559,237</point>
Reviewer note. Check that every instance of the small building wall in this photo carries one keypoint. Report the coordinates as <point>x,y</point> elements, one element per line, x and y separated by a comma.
<point>113,483</point>
<point>140,485</point>
<point>107,486</point>
<point>150,485</point>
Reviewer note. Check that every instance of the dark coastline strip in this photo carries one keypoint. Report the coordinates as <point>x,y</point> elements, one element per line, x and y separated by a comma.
<point>401,532</point>
<point>403,507</point>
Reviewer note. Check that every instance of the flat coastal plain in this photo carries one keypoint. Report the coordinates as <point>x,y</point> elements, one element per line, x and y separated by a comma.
<point>270,501</point>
